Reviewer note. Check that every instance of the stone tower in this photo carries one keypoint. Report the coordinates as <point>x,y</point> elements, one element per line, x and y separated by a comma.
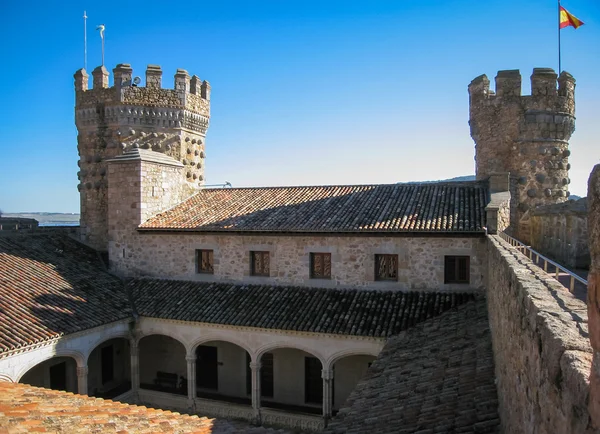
<point>526,136</point>
<point>112,120</point>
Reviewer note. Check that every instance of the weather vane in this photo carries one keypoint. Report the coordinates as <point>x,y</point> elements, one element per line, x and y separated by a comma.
<point>101,28</point>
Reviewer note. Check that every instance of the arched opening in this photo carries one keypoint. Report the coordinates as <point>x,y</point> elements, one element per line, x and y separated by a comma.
<point>162,364</point>
<point>291,380</point>
<point>109,369</point>
<point>58,373</point>
<point>222,372</point>
<point>347,372</point>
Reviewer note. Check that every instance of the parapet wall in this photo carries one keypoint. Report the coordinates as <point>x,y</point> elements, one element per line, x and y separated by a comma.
<point>541,347</point>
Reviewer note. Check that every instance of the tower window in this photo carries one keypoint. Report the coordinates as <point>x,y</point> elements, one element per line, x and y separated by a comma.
<point>204,262</point>
<point>456,269</point>
<point>386,267</point>
<point>320,265</point>
<point>259,264</point>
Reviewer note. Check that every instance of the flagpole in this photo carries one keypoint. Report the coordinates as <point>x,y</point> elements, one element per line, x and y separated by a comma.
<point>84,40</point>
<point>102,34</point>
<point>559,65</point>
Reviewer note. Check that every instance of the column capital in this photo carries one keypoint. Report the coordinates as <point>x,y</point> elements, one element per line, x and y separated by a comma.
<point>82,371</point>
<point>255,365</point>
<point>327,374</point>
<point>190,358</point>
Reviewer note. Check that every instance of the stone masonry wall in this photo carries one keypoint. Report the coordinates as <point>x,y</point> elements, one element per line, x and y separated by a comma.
<point>541,348</point>
<point>560,232</point>
<point>594,290</point>
<point>421,259</point>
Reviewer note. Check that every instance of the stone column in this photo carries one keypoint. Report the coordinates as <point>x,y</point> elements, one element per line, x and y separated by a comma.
<point>255,367</point>
<point>327,375</point>
<point>135,367</point>
<point>82,380</point>
<point>594,292</point>
<point>191,381</point>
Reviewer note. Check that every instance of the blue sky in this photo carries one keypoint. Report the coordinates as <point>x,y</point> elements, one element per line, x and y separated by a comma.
<point>311,92</point>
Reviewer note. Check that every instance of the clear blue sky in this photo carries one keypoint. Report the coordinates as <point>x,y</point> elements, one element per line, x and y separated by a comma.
<point>310,92</point>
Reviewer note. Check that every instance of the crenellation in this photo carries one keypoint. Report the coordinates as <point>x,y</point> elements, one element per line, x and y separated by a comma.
<point>525,135</point>
<point>195,84</point>
<point>153,77</point>
<point>100,75</point>
<point>81,80</point>
<point>508,83</point>
<point>115,120</point>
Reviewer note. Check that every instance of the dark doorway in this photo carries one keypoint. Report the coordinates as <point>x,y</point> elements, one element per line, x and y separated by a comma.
<point>58,376</point>
<point>313,383</point>
<point>108,366</point>
<point>207,370</point>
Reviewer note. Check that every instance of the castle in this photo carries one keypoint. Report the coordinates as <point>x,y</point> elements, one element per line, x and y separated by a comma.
<point>372,308</point>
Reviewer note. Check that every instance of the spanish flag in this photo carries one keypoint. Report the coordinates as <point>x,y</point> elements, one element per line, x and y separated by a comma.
<point>566,19</point>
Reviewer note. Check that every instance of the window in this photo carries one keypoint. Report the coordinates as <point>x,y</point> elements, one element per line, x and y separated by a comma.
<point>456,269</point>
<point>259,264</point>
<point>320,265</point>
<point>386,267</point>
<point>204,259</point>
<point>266,375</point>
<point>313,383</point>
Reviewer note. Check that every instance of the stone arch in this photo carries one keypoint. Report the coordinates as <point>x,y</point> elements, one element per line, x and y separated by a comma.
<point>76,355</point>
<point>167,333</point>
<point>212,338</point>
<point>162,363</point>
<point>288,345</point>
<point>100,341</point>
<point>6,377</point>
<point>347,353</point>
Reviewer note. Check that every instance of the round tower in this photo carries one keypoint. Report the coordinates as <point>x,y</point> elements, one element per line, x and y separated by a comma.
<point>112,120</point>
<point>525,135</point>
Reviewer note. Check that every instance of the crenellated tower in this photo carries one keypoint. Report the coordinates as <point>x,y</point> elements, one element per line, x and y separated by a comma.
<point>113,120</point>
<point>526,136</point>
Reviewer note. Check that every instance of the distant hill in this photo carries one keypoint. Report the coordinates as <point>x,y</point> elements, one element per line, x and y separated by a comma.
<point>48,218</point>
<point>455,179</point>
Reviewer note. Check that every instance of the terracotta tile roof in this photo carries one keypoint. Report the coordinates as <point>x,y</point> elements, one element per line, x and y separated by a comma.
<point>336,311</point>
<point>51,285</point>
<point>427,207</point>
<point>437,377</point>
<point>25,409</point>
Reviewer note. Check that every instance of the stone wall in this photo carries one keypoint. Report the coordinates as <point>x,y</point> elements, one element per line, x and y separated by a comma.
<point>420,259</point>
<point>560,232</point>
<point>524,135</point>
<point>541,348</point>
<point>594,290</point>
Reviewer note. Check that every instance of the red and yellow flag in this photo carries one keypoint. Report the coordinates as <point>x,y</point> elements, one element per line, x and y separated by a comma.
<point>566,19</point>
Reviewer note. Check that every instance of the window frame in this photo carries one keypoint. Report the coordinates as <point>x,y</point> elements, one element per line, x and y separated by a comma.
<point>199,255</point>
<point>263,254</point>
<point>378,258</point>
<point>322,256</point>
<point>453,266</point>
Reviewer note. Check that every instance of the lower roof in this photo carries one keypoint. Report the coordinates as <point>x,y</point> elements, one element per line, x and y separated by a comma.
<point>437,377</point>
<point>356,312</point>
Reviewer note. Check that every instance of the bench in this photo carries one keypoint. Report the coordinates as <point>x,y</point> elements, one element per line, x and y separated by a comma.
<point>166,379</point>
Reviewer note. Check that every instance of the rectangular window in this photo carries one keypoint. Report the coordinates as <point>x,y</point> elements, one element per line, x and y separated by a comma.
<point>204,260</point>
<point>320,265</point>
<point>266,375</point>
<point>456,269</point>
<point>313,383</point>
<point>386,267</point>
<point>259,264</point>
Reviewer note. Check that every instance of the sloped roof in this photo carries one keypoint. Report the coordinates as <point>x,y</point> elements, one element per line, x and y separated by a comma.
<point>51,285</point>
<point>428,207</point>
<point>358,312</point>
<point>438,377</point>
<point>25,408</point>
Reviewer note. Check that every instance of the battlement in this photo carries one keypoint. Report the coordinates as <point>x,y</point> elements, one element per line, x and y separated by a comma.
<point>544,83</point>
<point>188,92</point>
